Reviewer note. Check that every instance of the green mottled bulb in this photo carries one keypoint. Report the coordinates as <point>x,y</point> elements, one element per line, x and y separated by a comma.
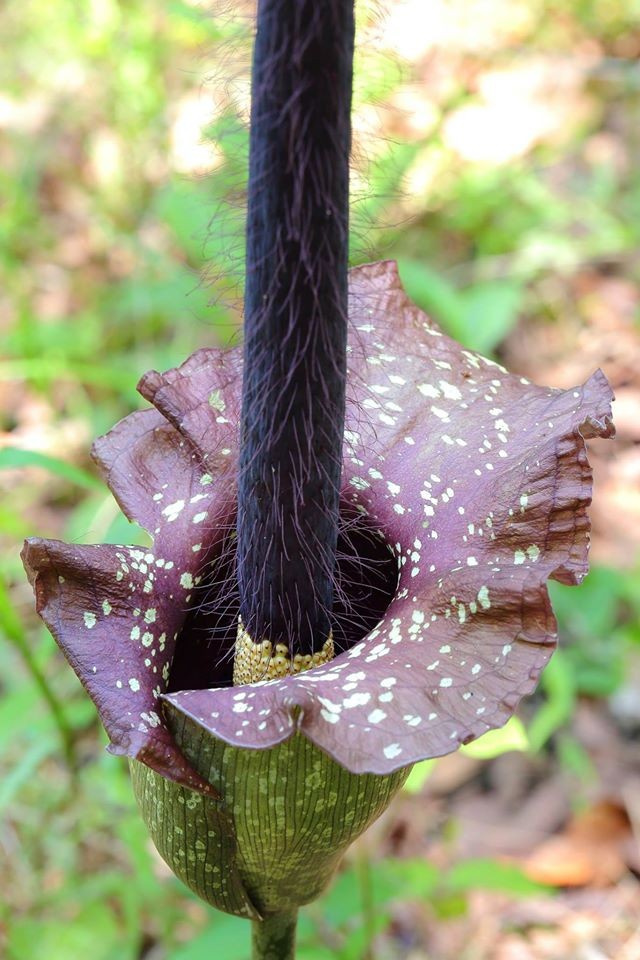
<point>274,839</point>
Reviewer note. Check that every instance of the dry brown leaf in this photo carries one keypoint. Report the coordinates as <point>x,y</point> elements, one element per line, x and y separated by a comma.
<point>589,853</point>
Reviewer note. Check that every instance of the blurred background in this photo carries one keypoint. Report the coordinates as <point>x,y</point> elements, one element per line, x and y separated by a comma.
<point>496,156</point>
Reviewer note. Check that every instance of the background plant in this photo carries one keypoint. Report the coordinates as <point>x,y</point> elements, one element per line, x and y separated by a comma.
<point>495,161</point>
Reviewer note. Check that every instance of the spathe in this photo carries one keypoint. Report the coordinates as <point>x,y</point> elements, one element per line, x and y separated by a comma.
<point>479,481</point>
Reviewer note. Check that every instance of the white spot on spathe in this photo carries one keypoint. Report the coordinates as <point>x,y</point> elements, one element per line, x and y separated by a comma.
<point>392,750</point>
<point>333,708</point>
<point>356,700</point>
<point>150,615</point>
<point>412,720</point>
<point>446,682</point>
<point>449,391</point>
<point>518,557</point>
<point>441,414</point>
<point>152,718</point>
<point>173,510</point>
<point>359,483</point>
<point>376,716</point>
<point>89,620</point>
<point>199,517</point>
<point>483,598</point>
<point>329,717</point>
<point>533,552</point>
<point>427,390</point>
<point>472,562</point>
<point>186,581</point>
<point>134,684</point>
<point>398,508</point>
<point>106,608</point>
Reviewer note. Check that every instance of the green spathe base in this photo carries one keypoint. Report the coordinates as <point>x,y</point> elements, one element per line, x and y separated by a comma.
<point>274,840</point>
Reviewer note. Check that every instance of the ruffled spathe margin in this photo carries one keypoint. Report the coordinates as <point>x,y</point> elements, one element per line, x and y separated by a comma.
<point>479,480</point>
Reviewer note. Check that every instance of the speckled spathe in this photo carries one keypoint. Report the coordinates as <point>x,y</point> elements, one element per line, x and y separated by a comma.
<point>479,480</point>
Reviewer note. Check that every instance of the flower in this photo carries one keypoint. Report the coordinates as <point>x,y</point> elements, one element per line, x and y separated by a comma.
<point>475,484</point>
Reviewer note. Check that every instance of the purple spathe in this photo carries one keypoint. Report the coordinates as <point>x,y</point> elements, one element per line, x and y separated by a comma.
<point>479,481</point>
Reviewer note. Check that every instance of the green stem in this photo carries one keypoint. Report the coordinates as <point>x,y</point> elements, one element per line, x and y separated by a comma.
<point>12,628</point>
<point>274,938</point>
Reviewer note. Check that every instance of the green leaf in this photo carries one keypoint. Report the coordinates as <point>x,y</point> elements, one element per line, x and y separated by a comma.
<point>12,458</point>
<point>227,937</point>
<point>90,932</point>
<point>490,312</point>
<point>99,519</point>
<point>450,906</point>
<point>486,874</point>
<point>575,759</point>
<point>591,609</point>
<point>25,769</point>
<point>343,900</point>
<point>429,291</point>
<point>419,776</point>
<point>559,687</point>
<point>413,879</point>
<point>313,951</point>
<point>357,942</point>
<point>512,736</point>
<point>479,317</point>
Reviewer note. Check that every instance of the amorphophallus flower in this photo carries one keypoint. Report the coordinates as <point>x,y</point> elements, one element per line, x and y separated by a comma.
<point>330,596</point>
<point>465,488</point>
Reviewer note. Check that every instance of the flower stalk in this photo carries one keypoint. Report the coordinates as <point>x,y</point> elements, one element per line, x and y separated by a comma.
<point>274,937</point>
<point>295,332</point>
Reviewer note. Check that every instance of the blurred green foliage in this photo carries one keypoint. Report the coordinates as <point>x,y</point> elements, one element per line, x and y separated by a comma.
<point>117,256</point>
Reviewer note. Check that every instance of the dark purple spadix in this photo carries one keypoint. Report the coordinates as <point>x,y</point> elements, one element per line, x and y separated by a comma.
<point>293,392</point>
